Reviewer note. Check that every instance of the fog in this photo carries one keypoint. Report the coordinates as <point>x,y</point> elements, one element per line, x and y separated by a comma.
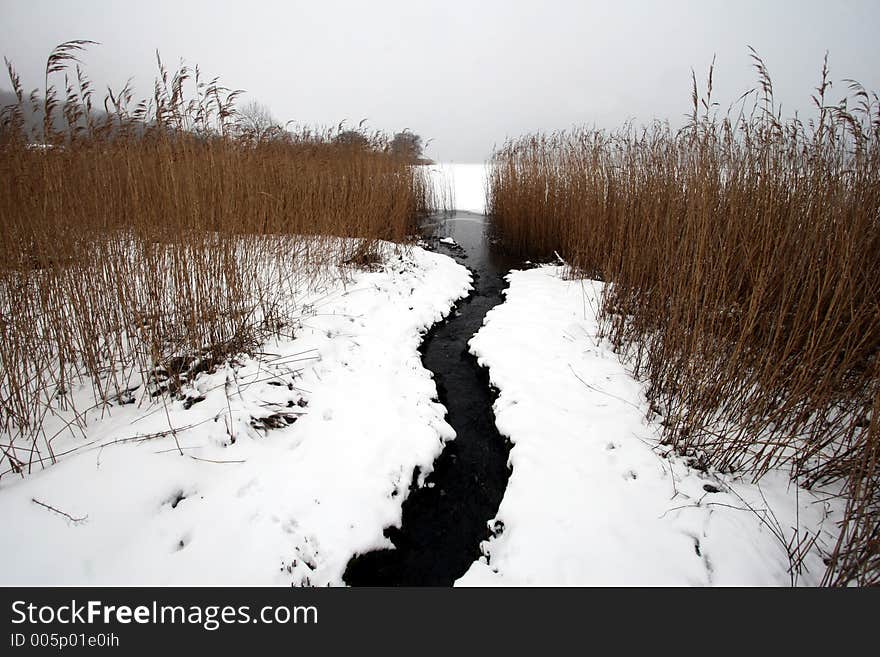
<point>465,74</point>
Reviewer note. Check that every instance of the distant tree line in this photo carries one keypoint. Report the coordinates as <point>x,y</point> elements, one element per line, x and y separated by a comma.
<point>405,144</point>
<point>252,121</point>
<point>256,120</point>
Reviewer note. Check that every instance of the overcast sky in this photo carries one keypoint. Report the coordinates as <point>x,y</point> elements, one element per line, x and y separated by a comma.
<point>465,73</point>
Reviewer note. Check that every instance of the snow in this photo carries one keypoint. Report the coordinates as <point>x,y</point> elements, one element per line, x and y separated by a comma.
<point>468,182</point>
<point>592,500</point>
<point>223,500</point>
<point>245,504</point>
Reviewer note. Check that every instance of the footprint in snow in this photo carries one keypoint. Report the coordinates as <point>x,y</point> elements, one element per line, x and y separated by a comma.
<point>182,542</point>
<point>244,490</point>
<point>175,498</point>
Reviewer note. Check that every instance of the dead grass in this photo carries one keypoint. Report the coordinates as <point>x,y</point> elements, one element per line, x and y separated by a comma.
<point>743,255</point>
<point>156,239</point>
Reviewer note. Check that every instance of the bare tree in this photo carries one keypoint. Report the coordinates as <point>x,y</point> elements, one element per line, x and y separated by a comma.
<point>353,138</point>
<point>255,120</point>
<point>407,145</point>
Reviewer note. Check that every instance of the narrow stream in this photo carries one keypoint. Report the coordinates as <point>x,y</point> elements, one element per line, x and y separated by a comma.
<point>445,520</point>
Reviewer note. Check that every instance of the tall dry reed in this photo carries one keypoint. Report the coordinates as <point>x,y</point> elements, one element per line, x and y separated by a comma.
<point>743,259</point>
<point>151,240</point>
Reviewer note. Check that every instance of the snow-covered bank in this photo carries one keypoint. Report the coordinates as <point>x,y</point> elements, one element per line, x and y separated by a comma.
<point>590,500</point>
<point>247,504</point>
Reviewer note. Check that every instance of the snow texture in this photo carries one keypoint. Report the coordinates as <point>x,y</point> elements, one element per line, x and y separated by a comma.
<point>292,461</point>
<point>591,499</point>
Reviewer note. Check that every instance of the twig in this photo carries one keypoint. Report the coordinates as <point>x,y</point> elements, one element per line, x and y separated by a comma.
<point>698,505</point>
<point>594,388</point>
<point>59,511</point>
<point>196,458</point>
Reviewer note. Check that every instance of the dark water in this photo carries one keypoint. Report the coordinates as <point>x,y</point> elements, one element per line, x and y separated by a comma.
<point>445,521</point>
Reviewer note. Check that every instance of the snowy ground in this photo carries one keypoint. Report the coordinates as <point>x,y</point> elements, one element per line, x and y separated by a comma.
<point>248,504</point>
<point>590,500</point>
